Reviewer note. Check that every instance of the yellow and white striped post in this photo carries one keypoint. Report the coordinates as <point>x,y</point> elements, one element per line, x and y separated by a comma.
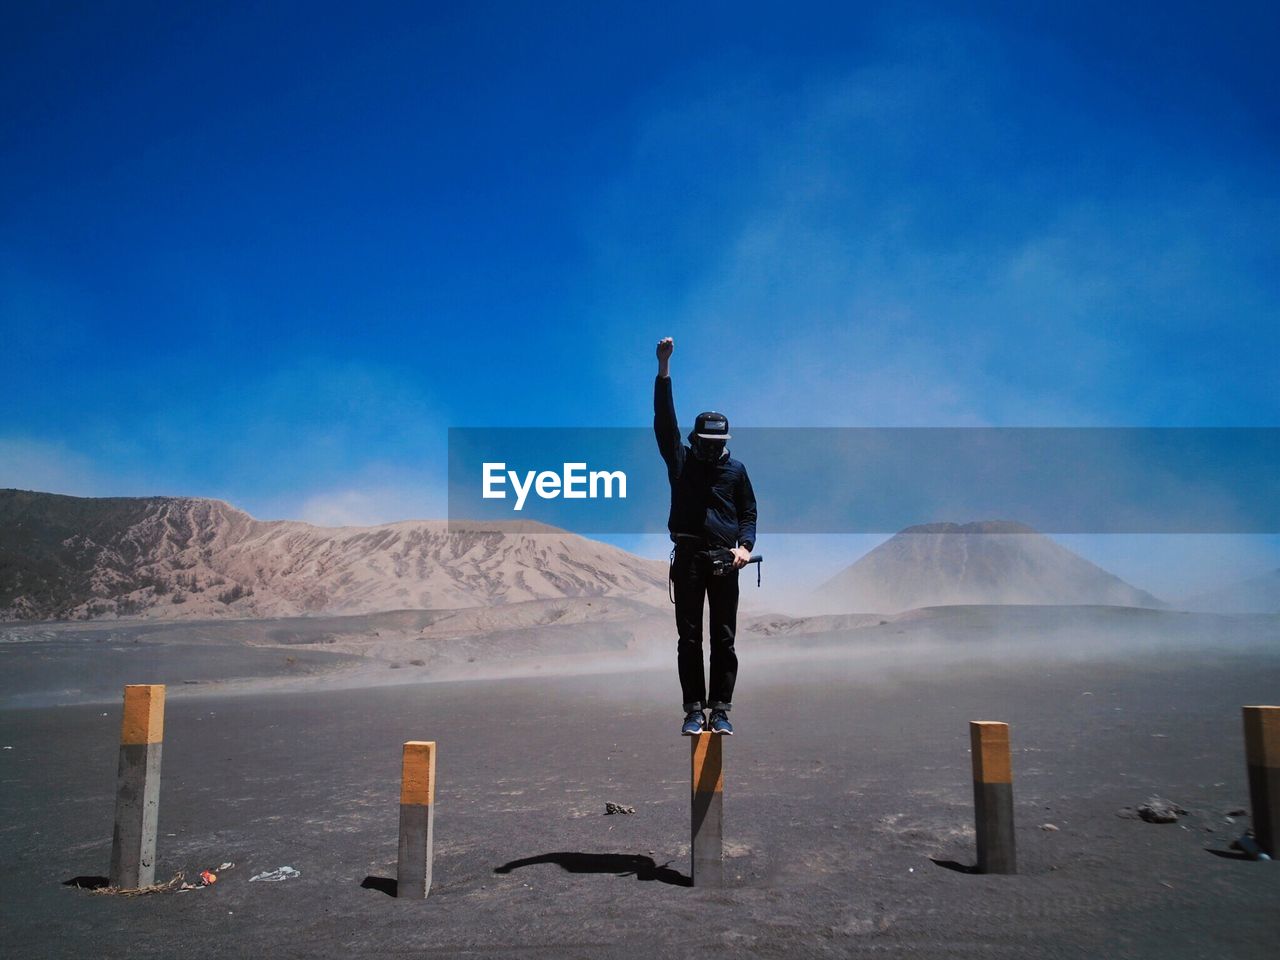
<point>706,782</point>
<point>1262,753</point>
<point>133,842</point>
<point>993,795</point>
<point>417,800</point>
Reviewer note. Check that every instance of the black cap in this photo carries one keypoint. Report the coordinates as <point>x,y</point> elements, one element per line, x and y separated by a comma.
<point>711,426</point>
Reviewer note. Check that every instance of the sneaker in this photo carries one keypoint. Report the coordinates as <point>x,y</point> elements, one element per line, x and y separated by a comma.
<point>720,723</point>
<point>694,724</point>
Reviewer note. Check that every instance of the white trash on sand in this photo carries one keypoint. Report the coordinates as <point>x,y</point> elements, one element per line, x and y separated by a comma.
<point>276,875</point>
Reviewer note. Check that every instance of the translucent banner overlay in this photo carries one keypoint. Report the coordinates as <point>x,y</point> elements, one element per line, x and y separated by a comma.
<point>881,480</point>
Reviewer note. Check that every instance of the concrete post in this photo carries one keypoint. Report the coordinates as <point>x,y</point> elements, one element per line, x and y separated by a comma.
<point>993,795</point>
<point>1262,753</point>
<point>706,783</point>
<point>133,842</point>
<point>417,801</point>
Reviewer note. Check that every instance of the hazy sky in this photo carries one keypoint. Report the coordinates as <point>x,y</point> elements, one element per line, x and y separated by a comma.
<point>269,253</point>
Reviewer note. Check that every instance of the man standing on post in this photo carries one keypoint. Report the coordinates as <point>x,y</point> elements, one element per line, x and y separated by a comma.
<point>713,518</point>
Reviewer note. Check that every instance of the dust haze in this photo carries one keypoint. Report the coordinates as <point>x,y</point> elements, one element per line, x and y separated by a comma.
<point>65,663</point>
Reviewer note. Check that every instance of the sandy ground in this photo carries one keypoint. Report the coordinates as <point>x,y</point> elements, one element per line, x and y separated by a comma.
<point>848,805</point>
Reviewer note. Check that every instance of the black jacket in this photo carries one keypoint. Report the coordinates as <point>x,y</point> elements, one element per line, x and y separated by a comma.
<point>710,500</point>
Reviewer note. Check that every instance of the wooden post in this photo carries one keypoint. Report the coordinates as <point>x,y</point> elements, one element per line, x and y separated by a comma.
<point>706,781</point>
<point>133,841</point>
<point>417,801</point>
<point>1262,753</point>
<point>993,795</point>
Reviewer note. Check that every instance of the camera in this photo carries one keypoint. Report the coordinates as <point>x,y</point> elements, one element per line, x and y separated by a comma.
<point>722,562</point>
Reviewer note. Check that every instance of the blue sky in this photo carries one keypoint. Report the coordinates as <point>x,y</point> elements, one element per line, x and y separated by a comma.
<point>270,253</point>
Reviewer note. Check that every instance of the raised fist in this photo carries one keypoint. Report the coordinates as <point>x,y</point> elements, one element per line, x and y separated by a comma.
<point>665,346</point>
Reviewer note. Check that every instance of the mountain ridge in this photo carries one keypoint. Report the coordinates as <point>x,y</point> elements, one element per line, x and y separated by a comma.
<point>171,557</point>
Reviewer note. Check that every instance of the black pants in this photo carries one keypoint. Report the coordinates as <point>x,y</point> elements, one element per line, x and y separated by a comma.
<point>692,579</point>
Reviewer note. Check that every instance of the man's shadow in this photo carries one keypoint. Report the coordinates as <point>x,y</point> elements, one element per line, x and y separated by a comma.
<point>619,864</point>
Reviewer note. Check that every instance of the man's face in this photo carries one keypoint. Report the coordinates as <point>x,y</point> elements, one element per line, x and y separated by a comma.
<point>710,450</point>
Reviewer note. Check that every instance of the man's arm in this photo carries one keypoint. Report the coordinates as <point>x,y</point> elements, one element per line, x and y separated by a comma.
<point>745,501</point>
<point>665,427</point>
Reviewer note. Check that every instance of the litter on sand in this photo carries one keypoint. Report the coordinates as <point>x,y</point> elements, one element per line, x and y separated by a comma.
<point>276,875</point>
<point>207,878</point>
<point>174,883</point>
